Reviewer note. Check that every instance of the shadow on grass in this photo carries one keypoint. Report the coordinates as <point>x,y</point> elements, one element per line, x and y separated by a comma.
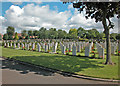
<point>23,69</point>
<point>63,63</point>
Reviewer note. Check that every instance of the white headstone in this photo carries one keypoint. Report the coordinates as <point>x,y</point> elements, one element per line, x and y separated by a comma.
<point>74,50</point>
<point>18,45</point>
<point>14,45</point>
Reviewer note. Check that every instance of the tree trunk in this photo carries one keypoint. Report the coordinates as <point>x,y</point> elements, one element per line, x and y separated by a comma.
<point>108,48</point>
<point>108,44</point>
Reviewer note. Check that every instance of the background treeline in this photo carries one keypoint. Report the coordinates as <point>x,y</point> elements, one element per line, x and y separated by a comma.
<point>52,33</point>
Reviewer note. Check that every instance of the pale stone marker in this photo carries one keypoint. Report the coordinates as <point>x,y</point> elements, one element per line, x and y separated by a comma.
<point>74,50</point>
<point>8,44</point>
<point>38,47</point>
<point>63,49</point>
<point>27,46</point>
<point>22,46</point>
<point>14,45</point>
<point>18,45</point>
<point>46,48</point>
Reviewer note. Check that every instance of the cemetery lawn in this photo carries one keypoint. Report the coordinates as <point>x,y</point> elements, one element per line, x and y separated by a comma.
<point>79,65</point>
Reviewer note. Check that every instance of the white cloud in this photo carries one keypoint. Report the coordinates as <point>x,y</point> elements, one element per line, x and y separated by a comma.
<point>33,17</point>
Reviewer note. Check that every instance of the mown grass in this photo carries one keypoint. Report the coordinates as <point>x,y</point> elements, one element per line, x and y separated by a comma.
<point>78,65</point>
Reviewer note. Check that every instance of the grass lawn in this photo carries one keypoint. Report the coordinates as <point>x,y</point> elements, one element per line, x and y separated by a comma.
<point>78,65</point>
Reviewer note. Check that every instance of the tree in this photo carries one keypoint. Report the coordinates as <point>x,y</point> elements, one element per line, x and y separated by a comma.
<point>10,32</point>
<point>113,36</point>
<point>24,33</point>
<point>16,36</point>
<point>35,33</point>
<point>30,33</point>
<point>81,32</point>
<point>101,12</point>
<point>27,37</point>
<point>73,33</point>
<point>61,34</point>
<point>5,36</point>
<point>43,33</point>
<point>118,37</point>
<point>93,33</point>
<point>101,36</point>
<point>53,34</point>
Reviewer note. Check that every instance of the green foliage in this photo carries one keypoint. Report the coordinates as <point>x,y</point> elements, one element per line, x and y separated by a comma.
<point>5,36</point>
<point>10,32</point>
<point>30,32</point>
<point>118,37</point>
<point>52,33</point>
<point>16,36</point>
<point>113,36</point>
<point>35,33</point>
<point>27,37</point>
<point>24,33</point>
<point>73,33</point>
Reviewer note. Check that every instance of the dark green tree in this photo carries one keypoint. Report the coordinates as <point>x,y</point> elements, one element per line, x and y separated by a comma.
<point>35,33</point>
<point>42,33</point>
<point>53,34</point>
<point>30,32</point>
<point>10,32</point>
<point>118,37</point>
<point>27,37</point>
<point>5,36</point>
<point>24,33</point>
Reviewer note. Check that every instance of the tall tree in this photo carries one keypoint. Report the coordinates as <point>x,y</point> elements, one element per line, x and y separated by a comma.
<point>35,33</point>
<point>16,36</point>
<point>101,12</point>
<point>30,33</point>
<point>73,33</point>
<point>10,32</point>
<point>42,33</point>
<point>24,33</point>
<point>5,36</point>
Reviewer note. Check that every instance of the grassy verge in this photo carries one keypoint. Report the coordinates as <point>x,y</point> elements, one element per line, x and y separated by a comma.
<point>79,65</point>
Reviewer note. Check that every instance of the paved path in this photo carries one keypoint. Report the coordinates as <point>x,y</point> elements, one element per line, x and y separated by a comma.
<point>14,73</point>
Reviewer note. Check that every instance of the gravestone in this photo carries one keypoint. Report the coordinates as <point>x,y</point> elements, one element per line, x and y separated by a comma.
<point>55,47</point>
<point>14,45</point>
<point>63,49</point>
<point>22,46</point>
<point>27,46</point>
<point>5,44</point>
<point>112,49</point>
<point>87,50</point>
<point>101,52</point>
<point>18,45</point>
<point>78,48</point>
<point>11,44</point>
<point>8,44</point>
<point>33,46</point>
<point>39,48</point>
<point>74,50</point>
<point>46,48</point>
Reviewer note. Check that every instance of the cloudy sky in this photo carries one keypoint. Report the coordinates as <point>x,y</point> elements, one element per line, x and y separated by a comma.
<point>34,15</point>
